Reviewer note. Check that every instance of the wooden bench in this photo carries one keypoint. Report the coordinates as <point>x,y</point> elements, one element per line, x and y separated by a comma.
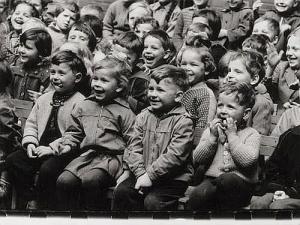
<point>267,146</point>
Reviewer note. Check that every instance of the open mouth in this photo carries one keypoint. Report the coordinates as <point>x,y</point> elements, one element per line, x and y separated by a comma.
<point>56,84</point>
<point>18,21</point>
<point>148,58</point>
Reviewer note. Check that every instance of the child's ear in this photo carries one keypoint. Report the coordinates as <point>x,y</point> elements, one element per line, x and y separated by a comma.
<point>167,54</point>
<point>247,114</point>
<point>119,89</point>
<point>178,96</point>
<point>78,77</point>
<point>275,40</point>
<point>254,80</point>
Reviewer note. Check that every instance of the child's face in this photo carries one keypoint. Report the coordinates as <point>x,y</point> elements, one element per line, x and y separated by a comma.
<point>264,28</point>
<point>201,3</point>
<point>136,13</point>
<point>164,95</point>
<point>284,5</point>
<point>194,68</point>
<point>293,52</point>
<point>124,53</point>
<point>2,5</point>
<point>237,72</point>
<point>21,14</point>
<point>37,4</point>
<point>154,54</point>
<point>77,36</point>
<point>228,106</point>
<point>233,4</point>
<point>63,78</point>
<point>104,86</point>
<point>48,14</point>
<point>142,29</point>
<point>65,20</point>
<point>28,52</point>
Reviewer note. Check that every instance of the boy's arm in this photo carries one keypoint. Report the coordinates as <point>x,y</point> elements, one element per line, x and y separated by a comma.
<point>244,27</point>
<point>108,23</point>
<point>133,155</point>
<point>178,32</point>
<point>30,135</point>
<point>173,21</point>
<point>244,154</point>
<point>177,153</point>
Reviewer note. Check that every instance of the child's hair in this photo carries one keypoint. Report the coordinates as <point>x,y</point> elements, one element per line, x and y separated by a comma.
<point>5,78</point>
<point>204,56</point>
<point>147,20</point>
<point>214,21</point>
<point>177,75</point>
<point>95,23</point>
<point>253,61</point>
<point>119,70</point>
<point>245,93</point>
<point>41,38</point>
<point>95,7</point>
<point>197,28</point>
<point>33,22</point>
<point>165,40</point>
<point>130,41</point>
<point>72,6</point>
<point>257,43</point>
<point>274,24</point>
<point>197,41</point>
<point>224,62</point>
<point>86,29</point>
<point>34,12</point>
<point>141,4</point>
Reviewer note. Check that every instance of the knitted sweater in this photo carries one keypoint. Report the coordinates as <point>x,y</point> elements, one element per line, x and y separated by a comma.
<point>240,158</point>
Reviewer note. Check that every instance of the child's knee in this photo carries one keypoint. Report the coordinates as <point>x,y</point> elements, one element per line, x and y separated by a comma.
<point>67,181</point>
<point>152,202</point>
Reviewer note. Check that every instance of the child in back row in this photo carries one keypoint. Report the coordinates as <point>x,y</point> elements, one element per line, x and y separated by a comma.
<point>199,101</point>
<point>159,154</point>
<point>100,129</point>
<point>46,123</point>
<point>230,150</point>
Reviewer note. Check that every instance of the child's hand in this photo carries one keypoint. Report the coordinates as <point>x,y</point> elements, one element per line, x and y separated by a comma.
<point>143,181</point>
<point>31,151</point>
<point>123,177</point>
<point>33,95</point>
<point>290,104</point>
<point>279,195</point>
<point>64,148</point>
<point>257,4</point>
<point>43,151</point>
<point>223,33</point>
<point>213,126</point>
<point>285,27</point>
<point>231,127</point>
<point>273,56</point>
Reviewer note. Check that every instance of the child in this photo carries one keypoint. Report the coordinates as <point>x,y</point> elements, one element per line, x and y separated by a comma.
<point>49,12</point>
<point>65,16</point>
<point>31,72</point>
<point>199,101</point>
<point>4,10</point>
<point>10,137</point>
<point>158,50</point>
<point>237,22</point>
<point>101,127</point>
<point>159,154</point>
<point>82,33</point>
<point>44,126</point>
<point>166,13</point>
<point>144,25</point>
<point>280,189</point>
<point>230,151</point>
<point>185,20</point>
<point>267,26</point>
<point>92,9</point>
<point>138,10</point>
<point>248,67</point>
<point>9,42</point>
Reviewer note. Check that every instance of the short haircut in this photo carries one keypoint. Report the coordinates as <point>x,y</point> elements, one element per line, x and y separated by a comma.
<point>197,41</point>
<point>34,12</point>
<point>177,75</point>
<point>6,77</point>
<point>41,38</point>
<point>214,21</point>
<point>130,41</point>
<point>146,20</point>
<point>140,4</point>
<point>95,7</point>
<point>95,23</point>
<point>254,62</point>
<point>245,93</point>
<point>119,70</point>
<point>257,43</point>
<point>224,62</point>
<point>70,58</point>
<point>72,6</point>
<point>274,24</point>
<point>86,29</point>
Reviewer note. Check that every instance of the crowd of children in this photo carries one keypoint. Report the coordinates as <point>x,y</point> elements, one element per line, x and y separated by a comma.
<point>149,99</point>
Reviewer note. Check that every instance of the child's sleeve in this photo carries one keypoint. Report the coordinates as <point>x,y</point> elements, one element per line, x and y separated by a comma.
<point>30,134</point>
<point>244,153</point>
<point>244,27</point>
<point>178,32</point>
<point>177,153</point>
<point>206,150</point>
<point>108,23</point>
<point>133,154</point>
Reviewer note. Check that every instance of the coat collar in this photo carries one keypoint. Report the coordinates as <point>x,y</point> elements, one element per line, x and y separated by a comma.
<point>177,110</point>
<point>118,100</point>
